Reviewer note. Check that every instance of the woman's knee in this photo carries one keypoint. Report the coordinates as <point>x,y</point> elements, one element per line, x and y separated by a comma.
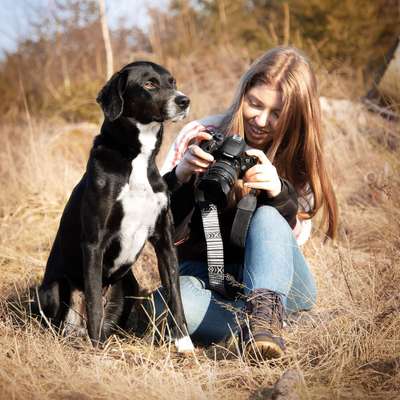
<point>268,214</point>
<point>267,221</point>
<point>195,300</point>
<point>190,288</point>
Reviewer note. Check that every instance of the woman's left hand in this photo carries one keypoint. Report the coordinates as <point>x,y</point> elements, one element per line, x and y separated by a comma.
<point>262,176</point>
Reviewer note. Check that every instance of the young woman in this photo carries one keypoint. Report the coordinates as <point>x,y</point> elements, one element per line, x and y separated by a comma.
<point>276,110</point>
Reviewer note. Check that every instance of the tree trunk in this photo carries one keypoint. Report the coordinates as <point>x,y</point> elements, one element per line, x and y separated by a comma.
<point>106,37</point>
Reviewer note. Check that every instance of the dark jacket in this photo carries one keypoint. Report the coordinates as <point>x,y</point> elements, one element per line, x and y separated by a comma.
<point>189,226</point>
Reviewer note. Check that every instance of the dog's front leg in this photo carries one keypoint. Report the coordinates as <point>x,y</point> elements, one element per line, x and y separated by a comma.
<point>92,275</point>
<point>168,269</point>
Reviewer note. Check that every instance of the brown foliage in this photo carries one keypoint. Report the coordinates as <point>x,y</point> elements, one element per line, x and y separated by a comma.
<point>344,348</point>
<point>57,73</point>
<point>347,347</point>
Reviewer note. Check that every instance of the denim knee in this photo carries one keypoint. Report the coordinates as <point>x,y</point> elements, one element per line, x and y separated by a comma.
<point>268,222</point>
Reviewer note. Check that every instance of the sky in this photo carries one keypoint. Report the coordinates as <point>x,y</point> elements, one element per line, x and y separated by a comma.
<point>16,14</point>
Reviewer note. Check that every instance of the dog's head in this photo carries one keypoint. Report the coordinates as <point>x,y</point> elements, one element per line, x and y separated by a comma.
<point>144,91</point>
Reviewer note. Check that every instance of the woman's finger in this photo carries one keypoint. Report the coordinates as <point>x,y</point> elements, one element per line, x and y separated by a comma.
<point>192,131</point>
<point>259,172</point>
<point>196,151</point>
<point>259,154</point>
<point>192,158</point>
<point>197,135</point>
<point>261,178</point>
<point>200,170</point>
<point>198,162</point>
<point>259,185</point>
<point>267,168</point>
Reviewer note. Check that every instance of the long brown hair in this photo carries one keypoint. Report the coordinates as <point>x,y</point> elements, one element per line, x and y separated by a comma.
<point>296,148</point>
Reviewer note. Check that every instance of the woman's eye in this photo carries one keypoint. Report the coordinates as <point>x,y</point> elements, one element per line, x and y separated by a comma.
<point>254,105</point>
<point>275,114</point>
<point>149,85</point>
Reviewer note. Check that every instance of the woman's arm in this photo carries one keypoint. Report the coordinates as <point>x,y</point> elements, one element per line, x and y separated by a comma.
<point>285,202</point>
<point>181,196</point>
<point>275,191</point>
<point>184,160</point>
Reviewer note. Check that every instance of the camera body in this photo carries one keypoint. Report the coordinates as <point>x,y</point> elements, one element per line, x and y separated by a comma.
<point>231,163</point>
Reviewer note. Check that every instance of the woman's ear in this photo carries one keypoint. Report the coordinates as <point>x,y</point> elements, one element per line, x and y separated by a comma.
<point>111,96</point>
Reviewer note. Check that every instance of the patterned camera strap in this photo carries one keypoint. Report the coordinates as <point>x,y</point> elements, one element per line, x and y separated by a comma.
<point>215,247</point>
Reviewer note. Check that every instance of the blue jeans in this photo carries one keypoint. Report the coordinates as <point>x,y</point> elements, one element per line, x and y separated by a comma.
<point>272,261</point>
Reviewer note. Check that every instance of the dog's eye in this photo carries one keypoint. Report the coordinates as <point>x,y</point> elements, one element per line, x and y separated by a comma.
<point>149,85</point>
<point>172,82</point>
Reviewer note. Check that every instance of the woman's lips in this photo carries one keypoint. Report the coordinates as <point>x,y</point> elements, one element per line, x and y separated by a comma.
<point>257,132</point>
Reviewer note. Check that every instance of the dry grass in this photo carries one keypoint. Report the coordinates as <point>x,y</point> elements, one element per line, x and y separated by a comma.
<point>346,347</point>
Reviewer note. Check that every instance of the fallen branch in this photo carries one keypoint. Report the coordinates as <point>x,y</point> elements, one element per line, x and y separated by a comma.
<point>285,388</point>
<point>388,367</point>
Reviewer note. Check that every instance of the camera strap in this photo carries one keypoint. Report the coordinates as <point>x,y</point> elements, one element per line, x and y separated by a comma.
<point>212,234</point>
<point>215,247</point>
<point>241,223</point>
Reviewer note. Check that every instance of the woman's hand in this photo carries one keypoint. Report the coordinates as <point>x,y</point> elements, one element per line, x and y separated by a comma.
<point>262,176</point>
<point>194,159</point>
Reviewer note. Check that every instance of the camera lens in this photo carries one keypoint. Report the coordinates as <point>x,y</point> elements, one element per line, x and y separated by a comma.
<point>217,182</point>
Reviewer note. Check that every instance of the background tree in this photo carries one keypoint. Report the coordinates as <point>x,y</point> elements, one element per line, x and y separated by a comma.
<point>106,38</point>
<point>66,60</point>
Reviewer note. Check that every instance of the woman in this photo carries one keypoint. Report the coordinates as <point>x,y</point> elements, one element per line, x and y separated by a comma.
<point>276,110</point>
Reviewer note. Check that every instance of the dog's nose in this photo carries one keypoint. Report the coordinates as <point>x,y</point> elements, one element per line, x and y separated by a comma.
<point>182,101</point>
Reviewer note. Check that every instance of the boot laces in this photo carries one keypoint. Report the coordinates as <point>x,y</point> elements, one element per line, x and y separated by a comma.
<point>265,309</point>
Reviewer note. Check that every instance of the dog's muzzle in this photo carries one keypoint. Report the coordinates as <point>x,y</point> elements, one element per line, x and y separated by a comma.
<point>177,107</point>
<point>182,101</point>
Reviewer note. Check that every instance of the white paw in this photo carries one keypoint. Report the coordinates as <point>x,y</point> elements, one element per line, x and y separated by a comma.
<point>184,345</point>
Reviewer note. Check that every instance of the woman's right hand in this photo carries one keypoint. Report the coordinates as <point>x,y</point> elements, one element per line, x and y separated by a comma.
<point>194,160</point>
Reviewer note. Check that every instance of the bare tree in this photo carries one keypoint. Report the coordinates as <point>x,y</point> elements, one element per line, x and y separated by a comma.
<point>106,38</point>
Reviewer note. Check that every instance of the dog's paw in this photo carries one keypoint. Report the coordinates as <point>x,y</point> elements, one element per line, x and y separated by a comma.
<point>74,331</point>
<point>184,345</point>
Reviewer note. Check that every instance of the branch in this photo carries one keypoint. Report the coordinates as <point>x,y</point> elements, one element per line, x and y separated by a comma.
<point>285,388</point>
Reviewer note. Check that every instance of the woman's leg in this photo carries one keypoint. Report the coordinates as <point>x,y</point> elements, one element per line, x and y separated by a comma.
<point>303,292</point>
<point>273,264</point>
<point>210,318</point>
<point>274,261</point>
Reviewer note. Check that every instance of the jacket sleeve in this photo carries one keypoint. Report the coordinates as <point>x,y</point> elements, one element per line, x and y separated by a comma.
<point>181,195</point>
<point>285,202</point>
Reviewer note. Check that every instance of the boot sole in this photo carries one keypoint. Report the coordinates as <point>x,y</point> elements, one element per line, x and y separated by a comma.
<point>262,350</point>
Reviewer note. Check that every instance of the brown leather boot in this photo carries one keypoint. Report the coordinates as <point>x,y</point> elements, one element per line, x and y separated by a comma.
<point>265,313</point>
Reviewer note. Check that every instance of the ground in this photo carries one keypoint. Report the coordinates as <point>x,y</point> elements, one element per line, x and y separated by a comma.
<point>347,347</point>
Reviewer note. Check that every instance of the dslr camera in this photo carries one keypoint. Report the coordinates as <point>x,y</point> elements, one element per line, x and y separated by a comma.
<point>231,163</point>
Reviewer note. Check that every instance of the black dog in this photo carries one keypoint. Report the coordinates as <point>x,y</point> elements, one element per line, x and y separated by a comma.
<point>120,202</point>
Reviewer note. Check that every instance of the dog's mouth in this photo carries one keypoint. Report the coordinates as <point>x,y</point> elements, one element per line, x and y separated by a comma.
<point>177,107</point>
<point>181,115</point>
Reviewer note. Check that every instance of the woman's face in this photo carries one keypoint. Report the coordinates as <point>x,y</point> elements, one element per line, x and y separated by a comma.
<point>262,106</point>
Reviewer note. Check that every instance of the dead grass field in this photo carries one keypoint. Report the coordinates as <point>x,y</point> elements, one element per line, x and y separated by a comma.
<point>347,347</point>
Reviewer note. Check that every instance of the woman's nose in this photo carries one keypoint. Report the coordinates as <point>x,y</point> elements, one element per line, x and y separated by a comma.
<point>262,119</point>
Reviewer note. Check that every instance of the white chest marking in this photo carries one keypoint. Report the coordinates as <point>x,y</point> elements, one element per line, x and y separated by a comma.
<point>141,206</point>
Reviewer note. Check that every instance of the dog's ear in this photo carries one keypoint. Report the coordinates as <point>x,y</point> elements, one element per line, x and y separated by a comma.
<point>111,97</point>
